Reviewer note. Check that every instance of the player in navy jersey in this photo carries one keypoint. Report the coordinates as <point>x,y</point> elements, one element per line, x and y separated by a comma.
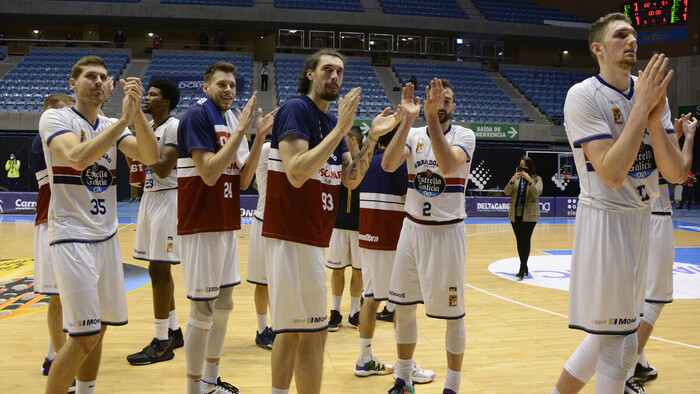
<point>308,161</point>
<point>619,129</point>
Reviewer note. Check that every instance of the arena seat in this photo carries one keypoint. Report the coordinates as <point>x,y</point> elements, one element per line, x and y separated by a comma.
<point>228,3</point>
<point>478,98</point>
<point>188,66</point>
<point>439,8</point>
<point>322,5</point>
<point>521,11</point>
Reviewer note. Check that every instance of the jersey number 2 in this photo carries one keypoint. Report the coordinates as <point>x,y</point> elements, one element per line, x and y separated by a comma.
<point>426,208</point>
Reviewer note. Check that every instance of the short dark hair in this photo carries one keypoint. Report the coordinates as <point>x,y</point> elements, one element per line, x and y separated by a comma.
<point>89,60</point>
<point>54,99</point>
<point>597,30</point>
<point>530,165</point>
<point>356,131</point>
<point>219,66</point>
<point>386,138</point>
<point>311,63</point>
<point>168,89</point>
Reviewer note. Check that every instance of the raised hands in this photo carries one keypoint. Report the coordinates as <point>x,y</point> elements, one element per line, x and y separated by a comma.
<point>263,125</point>
<point>685,126</point>
<point>384,123</point>
<point>650,89</point>
<point>245,117</point>
<point>133,90</point>
<point>347,106</point>
<point>410,104</point>
<point>434,98</point>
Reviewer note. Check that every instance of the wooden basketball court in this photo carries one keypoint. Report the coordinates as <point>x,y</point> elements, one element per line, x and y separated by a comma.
<point>517,335</point>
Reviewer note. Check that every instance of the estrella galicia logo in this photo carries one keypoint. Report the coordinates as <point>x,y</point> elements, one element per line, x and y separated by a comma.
<point>429,183</point>
<point>644,165</point>
<point>96,178</point>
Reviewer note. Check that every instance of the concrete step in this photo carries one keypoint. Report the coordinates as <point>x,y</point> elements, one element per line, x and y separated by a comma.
<point>516,97</point>
<point>389,82</point>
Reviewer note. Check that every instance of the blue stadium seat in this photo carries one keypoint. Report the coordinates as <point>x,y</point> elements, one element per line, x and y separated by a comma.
<point>521,11</point>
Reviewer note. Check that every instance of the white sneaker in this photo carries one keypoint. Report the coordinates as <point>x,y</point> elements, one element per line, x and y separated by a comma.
<point>419,375</point>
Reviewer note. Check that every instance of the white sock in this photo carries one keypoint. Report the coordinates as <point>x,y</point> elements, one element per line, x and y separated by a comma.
<point>161,329</point>
<point>643,360</point>
<point>365,349</point>
<point>85,387</point>
<point>390,306</point>
<point>194,386</point>
<point>336,302</point>
<point>453,380</point>
<point>280,391</point>
<point>211,371</point>
<point>354,305</point>
<point>51,352</point>
<point>262,323</point>
<point>172,321</point>
<point>555,391</point>
<point>404,370</point>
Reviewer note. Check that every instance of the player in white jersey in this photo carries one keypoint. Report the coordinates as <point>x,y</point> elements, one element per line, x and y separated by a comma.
<point>618,127</point>
<point>156,227</point>
<point>44,278</point>
<point>431,254</point>
<point>257,274</point>
<point>659,285</point>
<point>80,151</point>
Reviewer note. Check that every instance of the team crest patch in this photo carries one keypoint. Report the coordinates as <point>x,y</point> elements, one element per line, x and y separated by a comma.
<point>82,136</point>
<point>419,147</point>
<point>453,300</point>
<point>617,115</point>
<point>96,178</point>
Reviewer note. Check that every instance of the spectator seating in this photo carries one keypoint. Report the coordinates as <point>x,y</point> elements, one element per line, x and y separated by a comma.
<point>357,73</point>
<point>105,1</point>
<point>322,5</point>
<point>546,89</point>
<point>232,3</point>
<point>191,67</point>
<point>478,98</point>
<point>41,73</point>
<point>521,11</point>
<point>2,54</point>
<point>439,8</point>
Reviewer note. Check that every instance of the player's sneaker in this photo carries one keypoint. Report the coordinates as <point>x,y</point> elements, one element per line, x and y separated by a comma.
<point>354,321</point>
<point>448,391</point>
<point>420,375</point>
<point>265,339</point>
<point>631,387</point>
<point>220,387</point>
<point>156,351</point>
<point>335,321</point>
<point>644,374</point>
<point>46,367</point>
<point>176,338</point>
<point>385,315</point>
<point>72,388</point>
<point>372,367</point>
<point>401,388</point>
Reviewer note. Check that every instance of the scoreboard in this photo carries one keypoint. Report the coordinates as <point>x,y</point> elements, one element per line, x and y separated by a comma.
<point>656,13</point>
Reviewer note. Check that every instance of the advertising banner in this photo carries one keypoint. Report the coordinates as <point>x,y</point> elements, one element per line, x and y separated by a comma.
<point>18,203</point>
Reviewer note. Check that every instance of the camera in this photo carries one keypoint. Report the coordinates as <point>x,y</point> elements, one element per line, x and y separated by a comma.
<point>520,169</point>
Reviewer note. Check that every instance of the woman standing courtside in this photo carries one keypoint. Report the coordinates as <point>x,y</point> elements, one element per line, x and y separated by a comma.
<point>524,189</point>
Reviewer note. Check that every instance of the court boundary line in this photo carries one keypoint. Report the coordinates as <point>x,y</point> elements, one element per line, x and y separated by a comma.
<point>565,316</point>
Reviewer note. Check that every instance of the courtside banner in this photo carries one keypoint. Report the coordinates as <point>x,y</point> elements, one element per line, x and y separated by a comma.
<point>499,206</point>
<point>18,203</point>
<point>194,84</point>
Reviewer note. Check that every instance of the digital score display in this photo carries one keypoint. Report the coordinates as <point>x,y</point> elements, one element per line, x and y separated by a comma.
<point>656,13</point>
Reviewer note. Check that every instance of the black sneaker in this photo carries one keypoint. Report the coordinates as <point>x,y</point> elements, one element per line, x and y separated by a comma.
<point>264,339</point>
<point>271,335</point>
<point>46,367</point>
<point>335,321</point>
<point>385,315</point>
<point>631,387</point>
<point>156,351</point>
<point>644,374</point>
<point>221,387</point>
<point>176,338</point>
<point>354,321</point>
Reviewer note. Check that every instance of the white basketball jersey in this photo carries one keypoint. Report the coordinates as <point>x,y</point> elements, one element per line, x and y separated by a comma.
<point>433,196</point>
<point>596,110</point>
<point>261,179</point>
<point>83,205</point>
<point>166,134</point>
<point>663,203</point>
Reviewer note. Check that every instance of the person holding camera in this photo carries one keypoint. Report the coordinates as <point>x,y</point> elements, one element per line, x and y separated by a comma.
<point>12,168</point>
<point>524,189</point>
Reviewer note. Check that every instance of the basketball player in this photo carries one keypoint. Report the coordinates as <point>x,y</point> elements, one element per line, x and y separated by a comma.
<point>344,248</point>
<point>44,278</point>
<point>308,161</point>
<point>156,240</point>
<point>659,289</point>
<point>431,253</point>
<point>618,128</point>
<point>257,272</point>
<point>214,163</point>
<point>80,152</point>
